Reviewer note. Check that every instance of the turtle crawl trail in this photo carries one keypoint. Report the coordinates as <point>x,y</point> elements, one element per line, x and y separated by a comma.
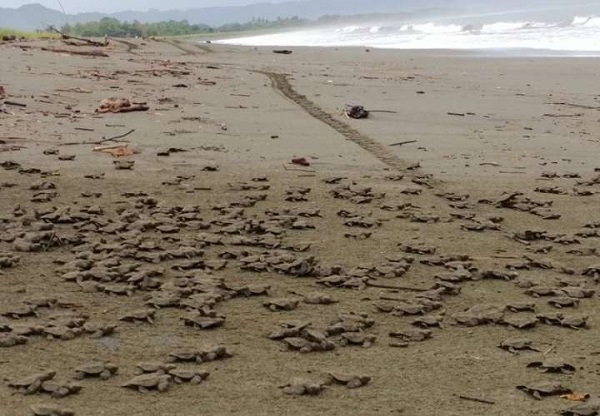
<point>281,83</point>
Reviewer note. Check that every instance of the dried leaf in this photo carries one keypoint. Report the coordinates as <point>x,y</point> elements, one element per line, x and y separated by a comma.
<point>575,397</point>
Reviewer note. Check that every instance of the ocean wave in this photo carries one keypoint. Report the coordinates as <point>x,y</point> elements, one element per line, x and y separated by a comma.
<point>579,34</point>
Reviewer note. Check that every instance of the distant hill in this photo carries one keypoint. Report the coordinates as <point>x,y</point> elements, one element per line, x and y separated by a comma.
<point>35,16</point>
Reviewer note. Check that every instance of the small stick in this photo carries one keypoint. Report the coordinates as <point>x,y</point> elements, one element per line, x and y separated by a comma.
<point>549,350</point>
<point>403,143</point>
<point>476,399</point>
<point>118,137</point>
<point>83,129</point>
<point>383,111</point>
<point>15,104</point>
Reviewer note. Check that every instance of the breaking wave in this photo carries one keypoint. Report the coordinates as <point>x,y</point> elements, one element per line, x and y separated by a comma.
<point>580,34</point>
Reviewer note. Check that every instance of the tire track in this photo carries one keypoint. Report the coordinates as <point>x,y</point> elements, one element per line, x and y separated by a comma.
<point>281,83</point>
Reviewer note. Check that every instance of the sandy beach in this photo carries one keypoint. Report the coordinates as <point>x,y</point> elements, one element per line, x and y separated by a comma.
<point>417,250</point>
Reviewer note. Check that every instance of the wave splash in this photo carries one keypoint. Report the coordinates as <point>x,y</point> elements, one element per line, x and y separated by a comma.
<point>580,34</point>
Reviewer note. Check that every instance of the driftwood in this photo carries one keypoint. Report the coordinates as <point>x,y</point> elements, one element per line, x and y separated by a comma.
<point>283,51</point>
<point>403,143</point>
<point>94,53</point>
<point>85,42</point>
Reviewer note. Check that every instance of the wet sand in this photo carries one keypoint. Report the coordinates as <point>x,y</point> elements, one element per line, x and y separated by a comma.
<point>447,225</point>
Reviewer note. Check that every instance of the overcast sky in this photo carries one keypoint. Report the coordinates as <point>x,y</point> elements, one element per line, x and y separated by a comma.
<point>107,6</point>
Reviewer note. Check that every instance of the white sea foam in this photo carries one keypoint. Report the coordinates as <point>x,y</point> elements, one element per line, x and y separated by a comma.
<point>581,34</point>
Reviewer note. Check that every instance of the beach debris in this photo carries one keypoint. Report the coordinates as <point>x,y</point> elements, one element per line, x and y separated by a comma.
<point>283,51</point>
<point>94,53</point>
<point>355,111</point>
<point>120,105</point>
<point>302,161</point>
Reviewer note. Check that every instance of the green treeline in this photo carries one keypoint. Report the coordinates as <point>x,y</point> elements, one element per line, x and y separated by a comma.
<point>115,28</point>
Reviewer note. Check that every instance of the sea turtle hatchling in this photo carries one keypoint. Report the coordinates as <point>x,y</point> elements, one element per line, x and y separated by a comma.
<point>428,321</point>
<point>299,387</point>
<point>574,321</point>
<point>150,381</point>
<point>96,369</point>
<point>349,380</point>
<point>514,345</point>
<point>553,365</point>
<point>318,298</point>
<point>60,389</point>
<point>564,302</point>
<point>50,410</point>
<point>188,376</point>
<point>32,384</point>
<point>544,388</point>
<point>140,315</point>
<point>583,409</point>
<point>153,367</point>
<point>282,304</point>
<point>411,335</point>
<point>357,338</point>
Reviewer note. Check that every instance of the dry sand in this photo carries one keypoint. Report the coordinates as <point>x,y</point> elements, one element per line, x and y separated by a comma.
<point>250,112</point>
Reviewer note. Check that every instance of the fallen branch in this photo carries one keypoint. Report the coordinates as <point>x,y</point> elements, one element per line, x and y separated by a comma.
<point>563,115</point>
<point>587,107</point>
<point>403,143</point>
<point>70,52</point>
<point>84,40</point>
<point>119,136</point>
<point>15,104</point>
<point>476,399</point>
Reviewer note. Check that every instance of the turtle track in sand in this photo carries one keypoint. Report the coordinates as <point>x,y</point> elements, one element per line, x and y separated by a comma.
<point>281,83</point>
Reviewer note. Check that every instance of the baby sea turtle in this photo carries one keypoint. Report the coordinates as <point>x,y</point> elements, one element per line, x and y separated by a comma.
<point>140,315</point>
<point>521,307</point>
<point>544,388</point>
<point>304,345</point>
<point>357,338</point>
<point>299,387</point>
<point>96,369</point>
<point>318,298</point>
<point>154,367</point>
<point>183,356</point>
<point>428,321</point>
<point>550,318</point>
<point>32,384</point>
<point>520,321</point>
<point>541,290</point>
<point>188,376</point>
<point>514,345</point>
<point>574,321</point>
<point>553,365</point>
<point>12,340</point>
<point>282,304</point>
<point>50,410</point>
<point>348,380</point>
<point>564,302</point>
<point>60,389</point>
<point>576,292</point>
<point>411,335</point>
<point>583,409</point>
<point>150,381</point>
